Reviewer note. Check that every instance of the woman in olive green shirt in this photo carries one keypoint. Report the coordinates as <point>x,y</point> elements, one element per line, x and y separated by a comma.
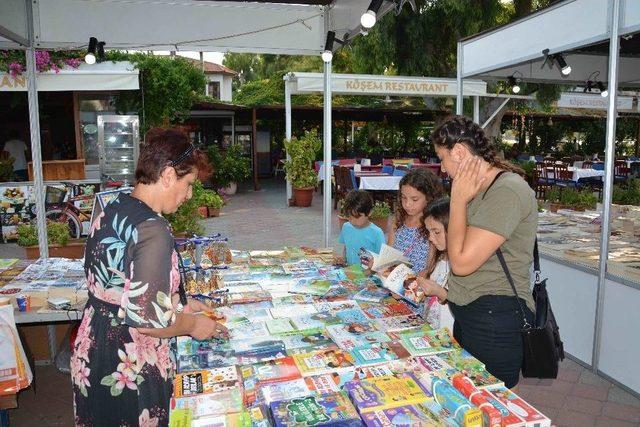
<point>491,207</point>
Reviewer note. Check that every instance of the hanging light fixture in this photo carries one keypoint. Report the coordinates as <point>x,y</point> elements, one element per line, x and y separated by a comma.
<point>603,90</point>
<point>368,19</point>
<point>90,57</point>
<point>565,68</point>
<point>513,83</point>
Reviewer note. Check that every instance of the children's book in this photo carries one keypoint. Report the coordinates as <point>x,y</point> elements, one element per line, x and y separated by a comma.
<point>335,306</point>
<point>316,321</point>
<point>371,294</point>
<point>302,268</point>
<point>248,331</point>
<point>271,371</point>
<point>372,354</point>
<point>333,409</point>
<point>354,272</point>
<point>249,297</point>
<point>215,404</point>
<point>405,416</point>
<point>241,419</point>
<point>354,315</point>
<point>463,361</point>
<point>395,281</point>
<point>396,348</point>
<point>323,361</point>
<point>378,393</point>
<point>388,257</point>
<point>194,355</point>
<point>388,307</point>
<point>509,419</point>
<point>259,414</point>
<point>259,349</point>
<point>285,390</point>
<point>323,384</point>
<point>433,363</point>
<point>316,286</point>
<point>281,326</point>
<point>310,340</point>
<point>393,324</point>
<point>352,335</point>
<point>429,342</point>
<point>206,381</point>
<point>519,407</point>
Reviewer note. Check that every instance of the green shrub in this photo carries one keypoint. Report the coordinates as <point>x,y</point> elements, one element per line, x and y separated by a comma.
<point>57,234</point>
<point>229,165</point>
<point>380,210</point>
<point>302,153</point>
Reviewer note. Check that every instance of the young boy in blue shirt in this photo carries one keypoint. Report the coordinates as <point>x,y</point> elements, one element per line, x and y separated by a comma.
<point>359,232</point>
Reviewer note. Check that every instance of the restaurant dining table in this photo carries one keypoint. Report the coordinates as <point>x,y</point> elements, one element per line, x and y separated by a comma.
<point>379,182</point>
<point>578,173</point>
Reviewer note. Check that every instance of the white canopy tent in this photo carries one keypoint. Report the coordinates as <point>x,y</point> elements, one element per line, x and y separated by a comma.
<point>364,84</point>
<point>188,25</point>
<point>593,36</point>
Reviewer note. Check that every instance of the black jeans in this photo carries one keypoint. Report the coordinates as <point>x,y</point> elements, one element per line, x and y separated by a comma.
<point>489,329</point>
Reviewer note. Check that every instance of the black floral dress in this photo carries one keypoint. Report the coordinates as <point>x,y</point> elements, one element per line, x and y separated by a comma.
<point>122,377</point>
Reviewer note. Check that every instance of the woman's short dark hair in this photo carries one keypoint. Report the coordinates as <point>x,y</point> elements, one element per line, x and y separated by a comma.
<point>169,147</point>
<point>357,202</point>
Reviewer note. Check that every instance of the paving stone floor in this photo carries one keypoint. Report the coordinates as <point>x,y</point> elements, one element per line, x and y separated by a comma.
<point>262,220</point>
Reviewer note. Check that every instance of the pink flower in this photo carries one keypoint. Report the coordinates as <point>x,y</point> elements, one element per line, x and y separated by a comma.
<point>15,69</point>
<point>127,363</point>
<point>83,338</point>
<point>164,360</point>
<point>174,275</point>
<point>124,379</point>
<point>146,420</point>
<point>145,347</point>
<point>80,372</point>
<point>96,224</point>
<point>72,62</point>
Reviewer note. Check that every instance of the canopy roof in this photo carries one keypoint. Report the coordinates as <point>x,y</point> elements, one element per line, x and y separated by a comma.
<point>183,25</point>
<point>577,28</point>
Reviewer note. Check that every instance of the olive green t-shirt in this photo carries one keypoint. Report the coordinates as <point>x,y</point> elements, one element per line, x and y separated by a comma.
<point>509,208</point>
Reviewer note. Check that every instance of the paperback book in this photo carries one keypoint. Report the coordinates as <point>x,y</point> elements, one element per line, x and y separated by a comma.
<point>333,409</point>
<point>313,340</point>
<point>206,381</point>
<point>317,287</point>
<point>371,294</point>
<point>281,326</point>
<point>352,335</point>
<point>405,416</point>
<point>216,404</point>
<point>462,361</point>
<point>193,355</point>
<point>248,331</point>
<point>335,306</point>
<point>379,393</point>
<point>372,354</point>
<point>429,342</point>
<point>316,321</point>
<point>323,361</point>
<point>353,315</point>
<point>388,257</point>
<point>286,310</point>
<point>393,324</point>
<point>278,370</point>
<point>256,350</point>
<point>519,407</point>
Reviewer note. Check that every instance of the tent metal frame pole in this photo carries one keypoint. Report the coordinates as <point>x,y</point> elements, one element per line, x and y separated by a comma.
<point>610,153</point>
<point>326,136</point>
<point>287,127</point>
<point>476,109</point>
<point>34,125</point>
<point>459,99</point>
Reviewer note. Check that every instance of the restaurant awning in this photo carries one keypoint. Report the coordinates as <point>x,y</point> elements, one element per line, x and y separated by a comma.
<point>103,76</point>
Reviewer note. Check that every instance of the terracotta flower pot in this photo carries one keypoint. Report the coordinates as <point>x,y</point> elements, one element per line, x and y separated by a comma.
<point>73,249</point>
<point>382,223</point>
<point>303,196</point>
<point>203,211</point>
<point>213,212</point>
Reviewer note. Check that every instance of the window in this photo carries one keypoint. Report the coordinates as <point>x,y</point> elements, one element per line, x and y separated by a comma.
<point>214,89</point>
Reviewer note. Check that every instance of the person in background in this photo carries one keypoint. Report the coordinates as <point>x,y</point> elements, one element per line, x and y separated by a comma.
<point>359,232</point>
<point>17,149</point>
<point>408,234</point>
<point>436,220</point>
<point>121,367</point>
<point>491,207</point>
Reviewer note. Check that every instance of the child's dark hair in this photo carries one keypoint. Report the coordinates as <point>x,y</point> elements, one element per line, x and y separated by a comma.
<point>425,182</point>
<point>357,202</point>
<point>439,211</point>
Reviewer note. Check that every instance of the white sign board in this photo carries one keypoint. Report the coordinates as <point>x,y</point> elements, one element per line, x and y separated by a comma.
<point>362,84</point>
<point>592,101</point>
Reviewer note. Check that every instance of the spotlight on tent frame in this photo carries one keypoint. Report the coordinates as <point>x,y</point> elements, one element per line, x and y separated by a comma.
<point>100,52</point>
<point>603,90</point>
<point>327,54</point>
<point>558,58</point>
<point>90,57</point>
<point>368,19</point>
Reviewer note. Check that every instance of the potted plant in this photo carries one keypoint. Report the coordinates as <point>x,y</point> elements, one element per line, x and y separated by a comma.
<point>299,167</point>
<point>380,214</point>
<point>553,198</point>
<point>185,221</point>
<point>212,202</point>
<point>229,167</point>
<point>58,239</point>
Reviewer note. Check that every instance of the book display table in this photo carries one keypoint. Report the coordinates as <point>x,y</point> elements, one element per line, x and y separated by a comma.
<point>313,344</point>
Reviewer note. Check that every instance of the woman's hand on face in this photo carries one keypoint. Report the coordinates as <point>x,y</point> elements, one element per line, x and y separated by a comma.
<point>205,328</point>
<point>467,183</point>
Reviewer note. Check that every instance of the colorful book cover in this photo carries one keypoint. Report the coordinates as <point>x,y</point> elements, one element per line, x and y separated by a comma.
<point>404,416</point>
<point>354,272</point>
<point>249,297</point>
<point>397,348</point>
<point>352,335</point>
<point>258,349</point>
<point>354,315</point>
<point>301,340</point>
<point>215,404</point>
<point>271,371</point>
<point>335,306</point>
<point>206,381</point>
<point>325,410</point>
<point>462,361</point>
<point>286,310</point>
<point>289,300</point>
<point>429,342</point>
<point>285,390</point>
<point>465,413</point>
<point>433,363</point>
<point>316,321</point>
<point>509,419</point>
<point>323,361</point>
<point>248,330</point>
<point>317,287</point>
<point>194,355</point>
<point>519,407</point>
<point>372,354</point>
<point>260,416</point>
<point>241,419</point>
<point>371,294</point>
<point>393,324</point>
<point>325,383</point>
<point>302,268</point>
<point>281,326</point>
<point>378,393</point>
<point>440,412</point>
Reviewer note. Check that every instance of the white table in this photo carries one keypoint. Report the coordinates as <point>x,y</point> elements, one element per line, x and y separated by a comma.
<point>380,183</point>
<point>580,173</point>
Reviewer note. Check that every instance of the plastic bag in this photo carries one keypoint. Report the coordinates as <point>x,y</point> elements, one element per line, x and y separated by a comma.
<point>15,373</point>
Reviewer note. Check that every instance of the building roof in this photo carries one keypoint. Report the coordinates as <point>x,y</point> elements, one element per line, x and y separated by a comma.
<point>212,68</point>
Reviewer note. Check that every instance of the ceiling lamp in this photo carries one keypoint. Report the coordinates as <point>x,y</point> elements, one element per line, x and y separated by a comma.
<point>513,83</point>
<point>90,57</point>
<point>368,19</point>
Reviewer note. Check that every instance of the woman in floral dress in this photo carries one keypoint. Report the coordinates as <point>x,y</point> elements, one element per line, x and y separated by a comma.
<point>121,366</point>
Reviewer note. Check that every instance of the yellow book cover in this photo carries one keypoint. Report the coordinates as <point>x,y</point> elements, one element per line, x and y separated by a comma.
<point>323,361</point>
<point>378,393</point>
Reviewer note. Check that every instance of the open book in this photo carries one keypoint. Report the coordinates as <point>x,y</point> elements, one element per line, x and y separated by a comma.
<point>395,280</point>
<point>388,257</point>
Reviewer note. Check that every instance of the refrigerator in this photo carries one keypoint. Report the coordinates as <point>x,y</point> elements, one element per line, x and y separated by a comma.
<point>116,148</point>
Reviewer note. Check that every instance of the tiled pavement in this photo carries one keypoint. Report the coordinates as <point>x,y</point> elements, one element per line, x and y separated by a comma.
<point>262,220</point>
